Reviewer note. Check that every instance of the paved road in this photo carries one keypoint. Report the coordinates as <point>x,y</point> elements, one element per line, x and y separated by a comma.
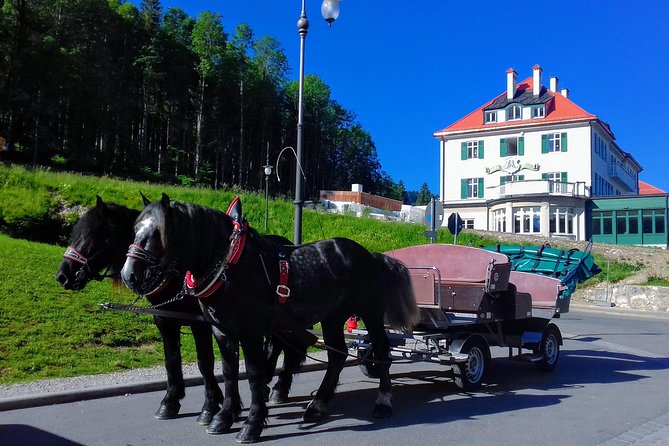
<point>609,388</point>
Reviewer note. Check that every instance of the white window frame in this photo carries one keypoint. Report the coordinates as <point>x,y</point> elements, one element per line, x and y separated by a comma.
<point>561,220</point>
<point>499,220</point>
<point>472,187</point>
<point>527,220</point>
<point>467,223</point>
<point>554,142</point>
<point>472,149</point>
<point>514,113</point>
<point>539,111</point>
<point>490,116</point>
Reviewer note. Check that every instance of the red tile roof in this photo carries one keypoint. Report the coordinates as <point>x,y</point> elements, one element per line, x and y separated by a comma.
<point>562,110</point>
<point>647,189</point>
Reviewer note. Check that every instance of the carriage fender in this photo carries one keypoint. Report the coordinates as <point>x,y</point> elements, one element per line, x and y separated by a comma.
<point>556,330</point>
<point>458,343</point>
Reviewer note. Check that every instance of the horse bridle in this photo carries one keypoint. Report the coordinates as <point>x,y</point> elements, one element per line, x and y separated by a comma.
<point>156,274</point>
<point>85,271</point>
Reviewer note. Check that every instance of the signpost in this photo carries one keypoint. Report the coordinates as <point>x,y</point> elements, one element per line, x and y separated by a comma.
<point>434,218</point>
<point>455,226</point>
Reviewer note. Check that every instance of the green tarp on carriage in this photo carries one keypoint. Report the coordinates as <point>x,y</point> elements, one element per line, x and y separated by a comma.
<point>571,266</point>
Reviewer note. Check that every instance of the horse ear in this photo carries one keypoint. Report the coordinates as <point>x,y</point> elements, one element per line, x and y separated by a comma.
<point>165,201</point>
<point>99,203</point>
<point>145,200</point>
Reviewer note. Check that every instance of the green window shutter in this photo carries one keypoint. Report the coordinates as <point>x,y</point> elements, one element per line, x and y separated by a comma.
<point>563,177</point>
<point>563,142</point>
<point>502,147</point>
<point>481,149</point>
<point>521,145</point>
<point>544,176</point>
<point>463,188</point>
<point>463,151</point>
<point>502,181</point>
<point>521,177</point>
<point>480,188</point>
<point>544,143</point>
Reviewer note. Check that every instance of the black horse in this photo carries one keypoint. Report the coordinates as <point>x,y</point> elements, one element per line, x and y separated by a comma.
<point>97,249</point>
<point>99,242</point>
<point>267,287</point>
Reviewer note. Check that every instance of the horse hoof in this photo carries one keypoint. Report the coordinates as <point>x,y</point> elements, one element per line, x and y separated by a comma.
<point>205,417</point>
<point>315,412</point>
<point>220,424</point>
<point>278,397</point>
<point>168,411</point>
<point>250,433</point>
<point>382,411</point>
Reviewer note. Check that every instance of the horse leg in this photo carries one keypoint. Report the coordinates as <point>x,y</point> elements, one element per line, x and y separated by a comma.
<point>273,348</point>
<point>256,367</point>
<point>333,334</point>
<point>171,336</point>
<point>213,397</point>
<point>232,403</point>
<point>293,357</point>
<point>381,349</point>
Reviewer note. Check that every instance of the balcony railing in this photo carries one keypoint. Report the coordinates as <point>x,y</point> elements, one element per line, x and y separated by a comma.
<point>618,173</point>
<point>538,187</point>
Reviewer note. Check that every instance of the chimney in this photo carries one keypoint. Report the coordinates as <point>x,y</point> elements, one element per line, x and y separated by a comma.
<point>511,77</point>
<point>536,80</point>
<point>554,84</point>
<point>565,92</point>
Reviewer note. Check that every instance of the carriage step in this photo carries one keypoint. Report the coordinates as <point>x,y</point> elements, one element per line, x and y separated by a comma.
<point>452,358</point>
<point>527,357</point>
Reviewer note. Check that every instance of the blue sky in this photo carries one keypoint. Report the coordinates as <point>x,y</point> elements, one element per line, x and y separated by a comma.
<point>410,68</point>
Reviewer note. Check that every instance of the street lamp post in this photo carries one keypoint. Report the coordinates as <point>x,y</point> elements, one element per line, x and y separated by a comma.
<point>330,12</point>
<point>267,168</point>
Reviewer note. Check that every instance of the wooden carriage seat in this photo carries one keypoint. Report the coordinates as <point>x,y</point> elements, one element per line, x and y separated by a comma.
<point>544,291</point>
<point>464,274</point>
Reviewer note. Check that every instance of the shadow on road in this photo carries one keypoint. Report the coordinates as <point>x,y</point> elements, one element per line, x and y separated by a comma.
<point>23,434</point>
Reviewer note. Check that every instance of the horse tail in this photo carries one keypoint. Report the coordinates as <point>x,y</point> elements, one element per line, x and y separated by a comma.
<point>401,309</point>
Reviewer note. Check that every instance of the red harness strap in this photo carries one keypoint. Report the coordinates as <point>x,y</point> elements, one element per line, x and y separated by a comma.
<point>236,248</point>
<point>282,290</point>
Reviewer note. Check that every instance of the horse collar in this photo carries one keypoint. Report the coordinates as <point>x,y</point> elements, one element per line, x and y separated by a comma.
<point>216,277</point>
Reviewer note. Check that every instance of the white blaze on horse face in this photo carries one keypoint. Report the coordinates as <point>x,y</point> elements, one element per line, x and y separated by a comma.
<point>143,228</point>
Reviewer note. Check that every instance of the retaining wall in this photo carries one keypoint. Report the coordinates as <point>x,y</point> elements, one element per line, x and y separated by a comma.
<point>649,298</point>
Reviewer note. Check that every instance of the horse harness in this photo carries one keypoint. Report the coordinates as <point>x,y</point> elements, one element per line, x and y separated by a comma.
<point>76,256</point>
<point>209,283</point>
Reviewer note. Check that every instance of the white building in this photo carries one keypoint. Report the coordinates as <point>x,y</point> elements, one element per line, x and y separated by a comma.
<point>529,160</point>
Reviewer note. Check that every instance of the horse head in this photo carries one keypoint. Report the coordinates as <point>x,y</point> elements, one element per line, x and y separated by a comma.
<point>97,243</point>
<point>171,236</point>
<point>146,266</point>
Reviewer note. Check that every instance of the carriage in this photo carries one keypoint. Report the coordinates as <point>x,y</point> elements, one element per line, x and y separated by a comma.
<point>471,299</point>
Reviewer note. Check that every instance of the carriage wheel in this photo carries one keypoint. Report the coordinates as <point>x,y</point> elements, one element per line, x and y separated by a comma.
<point>365,362</point>
<point>469,374</point>
<point>549,349</point>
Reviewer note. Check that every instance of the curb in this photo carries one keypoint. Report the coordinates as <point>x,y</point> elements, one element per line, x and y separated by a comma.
<point>75,395</point>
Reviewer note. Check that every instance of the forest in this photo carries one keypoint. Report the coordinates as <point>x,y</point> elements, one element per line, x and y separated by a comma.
<point>150,93</point>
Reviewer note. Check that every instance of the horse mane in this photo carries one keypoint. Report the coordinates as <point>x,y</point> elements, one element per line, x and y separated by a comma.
<point>112,215</point>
